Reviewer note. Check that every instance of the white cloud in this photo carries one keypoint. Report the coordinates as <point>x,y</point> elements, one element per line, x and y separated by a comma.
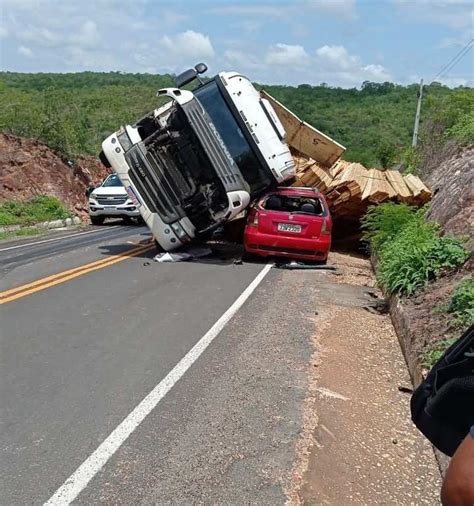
<point>239,59</point>
<point>25,51</point>
<point>39,36</point>
<point>375,73</point>
<point>87,36</point>
<point>188,45</point>
<point>171,18</point>
<point>347,69</point>
<point>337,57</point>
<point>266,10</point>
<point>460,40</point>
<point>341,8</point>
<point>453,82</point>
<point>3,32</point>
<point>457,14</point>
<point>90,59</point>
<point>287,55</point>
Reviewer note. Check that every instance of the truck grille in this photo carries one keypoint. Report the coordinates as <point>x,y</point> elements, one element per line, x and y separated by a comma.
<point>148,172</point>
<point>215,148</point>
<point>111,200</point>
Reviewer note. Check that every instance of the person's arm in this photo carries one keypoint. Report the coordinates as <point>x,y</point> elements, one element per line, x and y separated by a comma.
<point>458,484</point>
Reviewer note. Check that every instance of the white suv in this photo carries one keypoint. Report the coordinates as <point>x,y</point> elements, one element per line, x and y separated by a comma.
<point>110,200</point>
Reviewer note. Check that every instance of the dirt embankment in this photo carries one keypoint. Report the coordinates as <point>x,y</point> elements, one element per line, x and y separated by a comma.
<point>452,183</point>
<point>28,168</point>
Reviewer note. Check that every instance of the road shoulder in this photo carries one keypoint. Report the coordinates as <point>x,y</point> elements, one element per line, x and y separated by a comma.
<point>365,449</point>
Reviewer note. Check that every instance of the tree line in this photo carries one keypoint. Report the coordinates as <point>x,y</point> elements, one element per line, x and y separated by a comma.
<point>74,113</point>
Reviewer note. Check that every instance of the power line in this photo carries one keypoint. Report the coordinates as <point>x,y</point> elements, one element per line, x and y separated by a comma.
<point>445,73</point>
<point>456,59</point>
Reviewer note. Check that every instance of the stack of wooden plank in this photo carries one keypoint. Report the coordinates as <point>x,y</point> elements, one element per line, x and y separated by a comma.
<point>350,187</point>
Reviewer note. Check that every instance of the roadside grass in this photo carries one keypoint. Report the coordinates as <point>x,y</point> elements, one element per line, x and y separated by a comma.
<point>432,355</point>
<point>32,211</point>
<point>460,304</point>
<point>22,232</point>
<point>410,250</point>
<point>410,253</point>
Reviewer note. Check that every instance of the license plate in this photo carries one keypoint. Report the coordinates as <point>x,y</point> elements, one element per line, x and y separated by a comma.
<point>288,227</point>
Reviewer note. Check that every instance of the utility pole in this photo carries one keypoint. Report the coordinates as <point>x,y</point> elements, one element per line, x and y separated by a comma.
<point>414,142</point>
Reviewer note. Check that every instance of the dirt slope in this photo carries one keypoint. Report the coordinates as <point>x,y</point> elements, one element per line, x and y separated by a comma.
<point>452,182</point>
<point>28,168</point>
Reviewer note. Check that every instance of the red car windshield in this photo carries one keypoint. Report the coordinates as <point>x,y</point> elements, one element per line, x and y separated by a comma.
<point>293,204</point>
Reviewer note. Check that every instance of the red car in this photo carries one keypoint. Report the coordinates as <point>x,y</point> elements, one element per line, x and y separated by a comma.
<point>290,222</point>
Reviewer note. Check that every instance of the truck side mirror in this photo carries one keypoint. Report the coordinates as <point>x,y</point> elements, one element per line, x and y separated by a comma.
<point>185,77</point>
<point>189,75</point>
<point>89,190</point>
<point>200,68</point>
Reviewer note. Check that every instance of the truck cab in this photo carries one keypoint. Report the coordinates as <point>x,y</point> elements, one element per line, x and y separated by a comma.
<point>201,158</point>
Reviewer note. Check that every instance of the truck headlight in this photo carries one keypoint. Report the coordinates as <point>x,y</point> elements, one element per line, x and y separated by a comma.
<point>178,230</point>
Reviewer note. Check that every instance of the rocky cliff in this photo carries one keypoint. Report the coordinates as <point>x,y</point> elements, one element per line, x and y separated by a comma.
<point>28,168</point>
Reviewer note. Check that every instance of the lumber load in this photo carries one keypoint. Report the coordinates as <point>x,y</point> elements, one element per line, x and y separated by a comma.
<point>301,162</point>
<point>377,189</point>
<point>402,192</point>
<point>305,138</point>
<point>314,176</point>
<point>420,193</point>
<point>338,167</point>
<point>350,188</point>
<point>349,184</point>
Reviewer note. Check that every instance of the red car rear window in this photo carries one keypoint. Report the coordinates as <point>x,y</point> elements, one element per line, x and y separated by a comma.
<point>293,204</point>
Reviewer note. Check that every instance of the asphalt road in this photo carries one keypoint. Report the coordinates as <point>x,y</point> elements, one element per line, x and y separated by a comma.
<point>90,326</point>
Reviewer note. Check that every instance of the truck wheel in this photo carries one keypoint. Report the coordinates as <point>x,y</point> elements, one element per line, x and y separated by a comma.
<point>97,220</point>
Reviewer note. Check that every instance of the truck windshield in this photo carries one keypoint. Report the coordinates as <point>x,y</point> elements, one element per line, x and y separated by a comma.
<point>213,102</point>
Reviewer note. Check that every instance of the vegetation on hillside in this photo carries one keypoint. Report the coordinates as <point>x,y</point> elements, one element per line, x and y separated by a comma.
<point>449,122</point>
<point>73,113</point>
<point>461,303</point>
<point>410,250</point>
<point>35,210</point>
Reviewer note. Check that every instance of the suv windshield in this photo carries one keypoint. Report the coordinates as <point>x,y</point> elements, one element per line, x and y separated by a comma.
<point>112,180</point>
<point>213,102</point>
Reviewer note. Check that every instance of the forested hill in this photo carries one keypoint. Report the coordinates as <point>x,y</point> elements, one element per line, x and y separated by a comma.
<point>73,113</point>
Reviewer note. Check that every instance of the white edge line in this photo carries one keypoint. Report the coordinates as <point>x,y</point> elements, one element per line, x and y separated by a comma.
<point>78,481</point>
<point>58,238</point>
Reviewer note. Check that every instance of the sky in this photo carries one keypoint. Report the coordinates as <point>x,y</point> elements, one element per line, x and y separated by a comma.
<point>338,42</point>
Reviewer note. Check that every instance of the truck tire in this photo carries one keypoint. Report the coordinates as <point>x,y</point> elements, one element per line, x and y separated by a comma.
<point>97,220</point>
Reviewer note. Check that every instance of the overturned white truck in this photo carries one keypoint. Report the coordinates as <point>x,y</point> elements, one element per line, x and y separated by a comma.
<point>198,161</point>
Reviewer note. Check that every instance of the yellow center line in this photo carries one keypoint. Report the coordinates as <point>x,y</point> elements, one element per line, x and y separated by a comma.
<point>61,277</point>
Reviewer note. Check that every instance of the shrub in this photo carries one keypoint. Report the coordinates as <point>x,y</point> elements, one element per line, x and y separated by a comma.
<point>461,303</point>
<point>432,355</point>
<point>382,223</point>
<point>412,160</point>
<point>410,249</point>
<point>463,129</point>
<point>35,210</point>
